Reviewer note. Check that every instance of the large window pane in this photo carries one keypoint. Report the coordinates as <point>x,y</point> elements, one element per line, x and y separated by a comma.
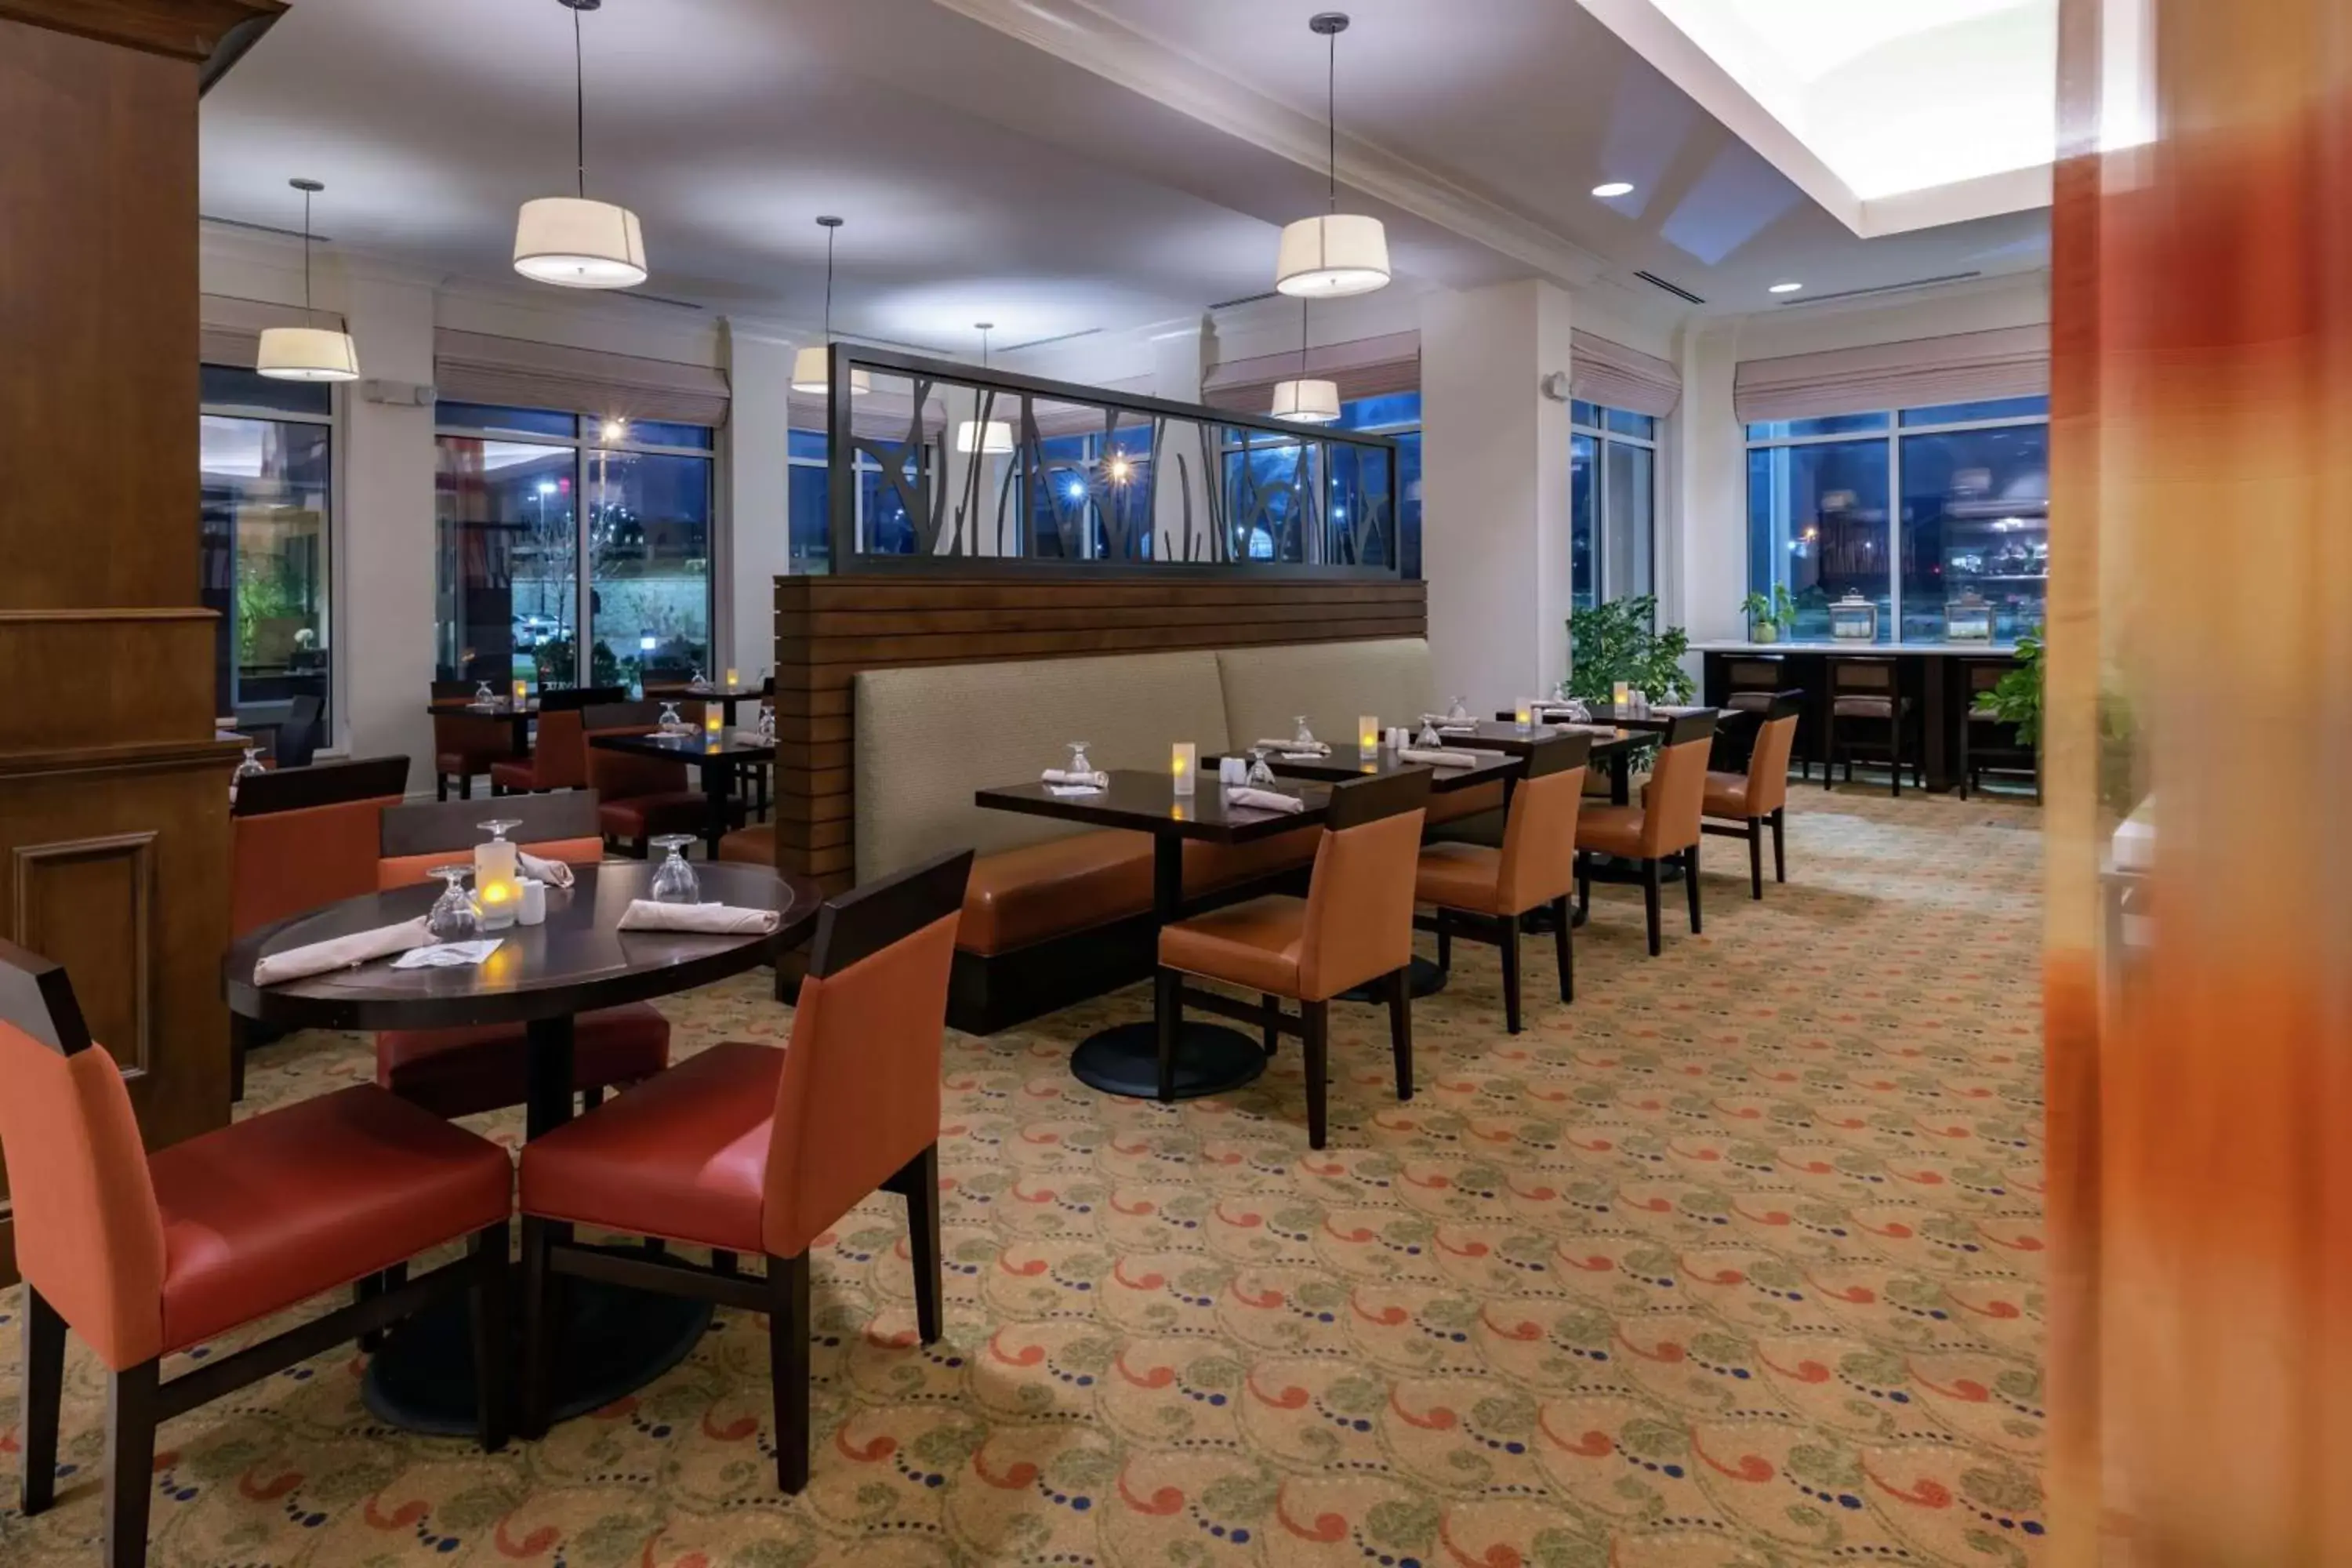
<point>241,387</point>
<point>811,517</point>
<point>493,420</point>
<point>1386,412</point>
<point>1975,520</point>
<point>649,531</point>
<point>1626,474</point>
<point>1817,523</point>
<point>1991,408</point>
<point>1640,425</point>
<point>1827,425</point>
<point>1583,520</point>
<point>265,493</point>
<point>1409,502</point>
<point>508,577</point>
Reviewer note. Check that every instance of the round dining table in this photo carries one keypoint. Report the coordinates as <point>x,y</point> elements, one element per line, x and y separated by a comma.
<point>613,1340</point>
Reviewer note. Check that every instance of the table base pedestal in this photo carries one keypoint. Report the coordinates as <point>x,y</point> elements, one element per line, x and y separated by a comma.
<point>614,1342</point>
<point>1618,871</point>
<point>1125,1059</point>
<point>1422,978</point>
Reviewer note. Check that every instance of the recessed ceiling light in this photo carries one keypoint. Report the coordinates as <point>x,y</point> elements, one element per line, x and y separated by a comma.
<point>1614,188</point>
<point>1785,287</point>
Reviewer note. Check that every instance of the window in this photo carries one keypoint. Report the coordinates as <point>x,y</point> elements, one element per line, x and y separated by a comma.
<point>882,518</point>
<point>1397,416</point>
<point>1612,504</point>
<point>1973,482</point>
<point>266,461</point>
<point>540,512</point>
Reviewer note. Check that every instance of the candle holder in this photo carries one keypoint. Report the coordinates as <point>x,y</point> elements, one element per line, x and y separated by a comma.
<point>1621,694</point>
<point>1184,767</point>
<point>732,682</point>
<point>1367,735</point>
<point>713,721</point>
<point>1523,714</point>
<point>496,891</point>
<point>521,692</point>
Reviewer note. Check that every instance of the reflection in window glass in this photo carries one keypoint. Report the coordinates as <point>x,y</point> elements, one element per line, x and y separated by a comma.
<point>239,387</point>
<point>1612,505</point>
<point>1976,525</point>
<point>265,491</point>
<point>508,576</point>
<point>1640,425</point>
<point>654,433</point>
<point>1828,424</point>
<point>1397,416</point>
<point>1627,472</point>
<point>497,421</point>
<point>1583,511</point>
<point>1817,523</point>
<point>811,507</point>
<point>1992,408</point>
<point>648,536</point>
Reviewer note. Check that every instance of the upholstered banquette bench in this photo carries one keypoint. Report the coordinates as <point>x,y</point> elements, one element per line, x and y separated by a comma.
<point>1054,912</point>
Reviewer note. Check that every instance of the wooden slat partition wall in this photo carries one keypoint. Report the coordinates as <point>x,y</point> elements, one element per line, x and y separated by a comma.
<point>829,628</point>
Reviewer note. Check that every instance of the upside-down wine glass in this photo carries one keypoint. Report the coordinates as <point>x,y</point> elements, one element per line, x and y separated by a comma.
<point>251,766</point>
<point>453,917</point>
<point>484,696</point>
<point>1261,776</point>
<point>1429,736</point>
<point>675,882</point>
<point>671,724</point>
<point>1460,712</point>
<point>1305,739</point>
<point>1082,767</point>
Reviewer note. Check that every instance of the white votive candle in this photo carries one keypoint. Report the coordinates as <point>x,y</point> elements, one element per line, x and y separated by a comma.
<point>1183,767</point>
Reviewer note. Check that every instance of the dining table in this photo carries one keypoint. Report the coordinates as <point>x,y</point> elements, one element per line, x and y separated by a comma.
<point>1123,1059</point>
<point>727,699</point>
<point>721,757</point>
<point>612,1339</point>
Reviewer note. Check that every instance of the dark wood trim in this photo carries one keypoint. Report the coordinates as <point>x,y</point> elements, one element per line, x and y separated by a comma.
<point>136,1054</point>
<point>321,783</point>
<point>856,925</point>
<point>36,996</point>
<point>184,30</point>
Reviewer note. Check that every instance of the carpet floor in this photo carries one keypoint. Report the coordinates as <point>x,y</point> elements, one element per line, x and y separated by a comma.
<point>1735,1261</point>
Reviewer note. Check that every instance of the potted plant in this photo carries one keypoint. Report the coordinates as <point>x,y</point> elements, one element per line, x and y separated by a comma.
<point>2016,699</point>
<point>1616,641</point>
<point>1762,627</point>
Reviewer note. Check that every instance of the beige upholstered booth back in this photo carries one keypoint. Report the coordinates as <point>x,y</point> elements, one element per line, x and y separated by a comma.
<point>1333,683</point>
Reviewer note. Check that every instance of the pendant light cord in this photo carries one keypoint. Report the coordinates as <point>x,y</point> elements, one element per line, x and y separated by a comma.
<point>1331,112</point>
<point>828,284</point>
<point>306,255</point>
<point>580,103</point>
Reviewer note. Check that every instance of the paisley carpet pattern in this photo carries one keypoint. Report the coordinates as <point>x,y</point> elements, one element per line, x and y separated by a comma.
<point>1733,1262</point>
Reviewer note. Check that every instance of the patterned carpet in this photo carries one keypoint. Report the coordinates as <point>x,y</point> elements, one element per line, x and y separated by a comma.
<point>1733,1262</point>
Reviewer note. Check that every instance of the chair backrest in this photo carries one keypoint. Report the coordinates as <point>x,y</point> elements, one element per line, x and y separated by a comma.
<point>1759,700</point>
<point>88,1235</point>
<point>1757,672</point>
<point>622,775</point>
<point>483,738</point>
<point>413,839</point>
<point>301,837</point>
<point>1862,676</point>
<point>860,1092</point>
<point>1983,675</point>
<point>1539,861</point>
<point>571,699</point>
<point>559,759</point>
<point>454,690</point>
<point>298,738</point>
<point>1768,763</point>
<point>1360,903</point>
<point>1677,793</point>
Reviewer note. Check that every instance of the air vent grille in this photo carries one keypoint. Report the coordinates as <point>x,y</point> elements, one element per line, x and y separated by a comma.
<point>1879,289</point>
<point>1676,290</point>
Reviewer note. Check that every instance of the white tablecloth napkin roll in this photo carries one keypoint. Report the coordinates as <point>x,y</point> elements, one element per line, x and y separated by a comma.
<point>1446,757</point>
<point>554,873</point>
<point>1320,747</point>
<point>340,952</point>
<point>1265,800</point>
<point>707,920</point>
<point>1064,776</point>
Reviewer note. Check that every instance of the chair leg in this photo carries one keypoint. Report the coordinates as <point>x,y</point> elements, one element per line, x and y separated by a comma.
<point>1828,756</point>
<point>1273,1041</point>
<point>1400,989</point>
<point>725,1262</point>
<point>1756,858</point>
<point>377,1284</point>
<point>493,1336</point>
<point>1780,846</point>
<point>1690,883</point>
<point>1895,752</point>
<point>1583,883</point>
<point>465,786</point>
<point>1650,900</point>
<point>1508,941</point>
<point>440,786</point>
<point>920,1181</point>
<point>592,1097</point>
<point>1564,945</point>
<point>1168,1017</point>
<point>45,1382</point>
<point>132,1397</point>
<point>1444,944</point>
<point>1317,1020</point>
<point>788,1367</point>
<point>538,1324</point>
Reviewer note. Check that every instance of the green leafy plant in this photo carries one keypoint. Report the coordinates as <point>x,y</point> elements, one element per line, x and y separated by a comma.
<point>1757,608</point>
<point>1784,609</point>
<point>2016,700</point>
<point>1613,642</point>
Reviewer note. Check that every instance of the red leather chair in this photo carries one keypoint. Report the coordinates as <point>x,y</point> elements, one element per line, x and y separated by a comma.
<point>643,797</point>
<point>464,742</point>
<point>142,1257</point>
<point>559,756</point>
<point>462,1072</point>
<point>747,1149</point>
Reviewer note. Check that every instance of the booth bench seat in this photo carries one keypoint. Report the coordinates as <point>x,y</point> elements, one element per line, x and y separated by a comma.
<point>1016,897</point>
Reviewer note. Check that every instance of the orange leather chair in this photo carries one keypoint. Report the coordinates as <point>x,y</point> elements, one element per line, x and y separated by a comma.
<point>559,756</point>
<point>750,846</point>
<point>301,837</point>
<point>643,797</point>
<point>1353,928</point>
<point>746,1149</point>
<point>142,1257</point>
<point>461,1071</point>
<point>1664,825</point>
<point>1760,795</point>
<point>1481,892</point>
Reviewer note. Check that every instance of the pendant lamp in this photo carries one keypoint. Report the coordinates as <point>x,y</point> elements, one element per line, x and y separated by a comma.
<point>1340,253</point>
<point>993,437</point>
<point>306,353</point>
<point>1306,401</point>
<point>813,366</point>
<point>571,241</point>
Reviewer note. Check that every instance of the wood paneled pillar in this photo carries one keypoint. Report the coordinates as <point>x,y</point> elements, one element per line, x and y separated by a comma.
<point>113,792</point>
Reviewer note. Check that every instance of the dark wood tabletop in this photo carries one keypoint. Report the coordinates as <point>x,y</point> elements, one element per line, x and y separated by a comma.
<point>1347,762</point>
<point>576,961</point>
<point>732,746</point>
<point>499,707</point>
<point>1148,803</point>
<point>1655,718</point>
<point>1504,735</point>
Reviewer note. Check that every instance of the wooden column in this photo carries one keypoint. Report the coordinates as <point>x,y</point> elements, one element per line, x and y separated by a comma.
<point>113,792</point>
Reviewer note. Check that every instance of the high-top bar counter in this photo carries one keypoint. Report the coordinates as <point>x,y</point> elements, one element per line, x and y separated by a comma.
<point>1933,675</point>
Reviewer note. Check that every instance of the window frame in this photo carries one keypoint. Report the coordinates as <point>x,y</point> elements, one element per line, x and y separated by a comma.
<point>1603,590</point>
<point>864,466</point>
<point>1895,432</point>
<point>583,560</point>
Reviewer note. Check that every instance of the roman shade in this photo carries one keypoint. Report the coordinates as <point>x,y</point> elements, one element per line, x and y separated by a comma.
<point>1965,367</point>
<point>475,367</point>
<point>231,328</point>
<point>1615,376</point>
<point>881,414</point>
<point>1366,367</point>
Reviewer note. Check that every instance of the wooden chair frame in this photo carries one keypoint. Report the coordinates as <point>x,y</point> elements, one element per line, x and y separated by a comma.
<point>1835,746</point>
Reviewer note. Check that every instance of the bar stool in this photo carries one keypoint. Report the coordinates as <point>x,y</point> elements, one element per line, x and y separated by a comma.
<point>1868,691</point>
<point>1981,735</point>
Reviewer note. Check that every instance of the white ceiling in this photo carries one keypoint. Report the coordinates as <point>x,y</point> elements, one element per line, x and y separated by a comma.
<point>1052,166</point>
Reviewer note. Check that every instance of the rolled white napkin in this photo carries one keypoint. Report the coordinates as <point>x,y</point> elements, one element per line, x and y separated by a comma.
<point>1443,757</point>
<point>709,919</point>
<point>1064,776</point>
<point>1317,747</point>
<point>1265,800</point>
<point>554,873</point>
<point>340,952</point>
